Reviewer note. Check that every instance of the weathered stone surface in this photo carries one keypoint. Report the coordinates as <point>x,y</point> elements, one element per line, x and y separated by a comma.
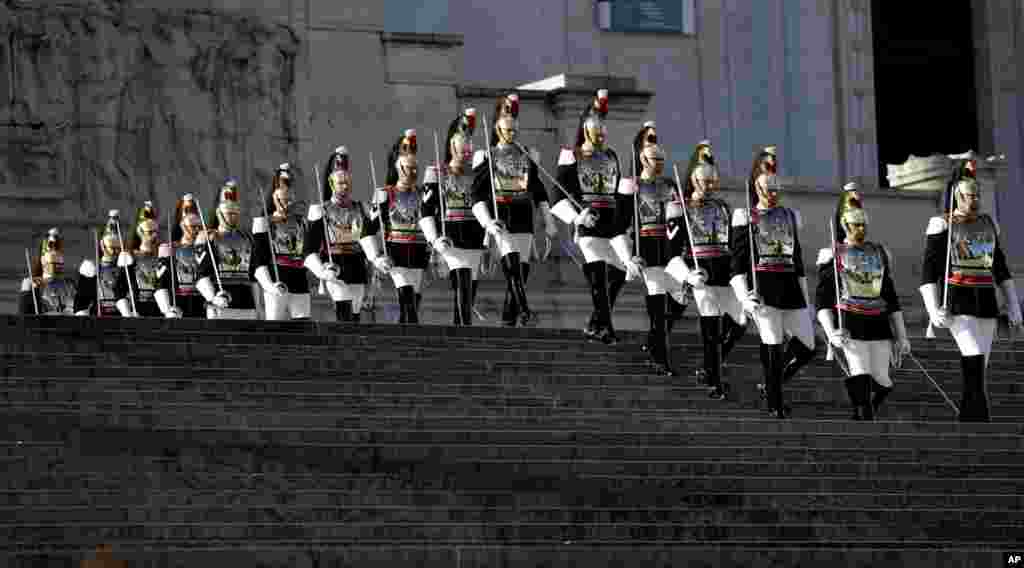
<point>121,102</point>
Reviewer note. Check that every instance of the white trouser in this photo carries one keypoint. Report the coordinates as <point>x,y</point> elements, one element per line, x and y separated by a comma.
<point>516,242</point>
<point>973,335</point>
<point>257,297</point>
<point>213,312</point>
<point>599,249</point>
<point>659,281</point>
<point>719,300</point>
<point>288,306</point>
<point>774,325</point>
<point>407,277</point>
<point>341,292</point>
<point>871,358</point>
<point>457,258</point>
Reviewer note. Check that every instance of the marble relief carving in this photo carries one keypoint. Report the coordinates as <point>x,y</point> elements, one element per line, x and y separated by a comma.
<point>119,103</point>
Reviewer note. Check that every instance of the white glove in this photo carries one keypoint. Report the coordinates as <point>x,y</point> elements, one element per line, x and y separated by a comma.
<point>383,263</point>
<point>125,259</point>
<point>697,278</point>
<point>587,218</point>
<point>634,267</point>
<point>173,313</point>
<point>1012,302</point>
<point>838,338</point>
<point>750,301</point>
<point>221,300</point>
<point>269,286</point>
<point>938,316</point>
<point>496,229</point>
<point>903,346</point>
<point>328,272</point>
<point>442,245</point>
<point>82,313</point>
<point>124,306</point>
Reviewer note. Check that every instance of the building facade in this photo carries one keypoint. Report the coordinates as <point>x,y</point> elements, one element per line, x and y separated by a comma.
<point>171,100</point>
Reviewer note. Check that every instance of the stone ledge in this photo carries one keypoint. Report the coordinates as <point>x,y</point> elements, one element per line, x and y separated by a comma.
<point>440,40</point>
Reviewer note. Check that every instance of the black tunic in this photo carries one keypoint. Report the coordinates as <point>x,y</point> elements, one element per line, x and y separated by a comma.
<point>289,235</point>
<point>399,219</point>
<point>85,297</point>
<point>658,243</point>
<point>871,324</point>
<point>346,226</point>
<point>459,223</point>
<point>518,188</point>
<point>145,279</point>
<point>711,224</point>
<point>972,295</point>
<point>593,182</point>
<point>778,256</point>
<point>185,264</point>
<point>233,253</point>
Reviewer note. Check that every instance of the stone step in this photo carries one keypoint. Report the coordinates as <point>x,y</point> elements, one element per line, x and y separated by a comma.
<point>614,499</point>
<point>208,346</point>
<point>554,409</point>
<point>16,536</point>
<point>435,459</point>
<point>414,427</point>
<point>71,518</point>
<point>271,456</point>
<point>708,554</point>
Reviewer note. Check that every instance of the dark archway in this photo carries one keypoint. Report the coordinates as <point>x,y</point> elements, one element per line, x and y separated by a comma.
<point>924,80</point>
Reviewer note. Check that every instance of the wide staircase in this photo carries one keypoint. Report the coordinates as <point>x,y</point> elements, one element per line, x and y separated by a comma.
<point>262,444</point>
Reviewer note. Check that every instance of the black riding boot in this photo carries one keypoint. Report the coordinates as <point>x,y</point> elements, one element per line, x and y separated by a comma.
<point>974,403</point>
<point>858,387</point>
<point>343,310</point>
<point>514,273</point>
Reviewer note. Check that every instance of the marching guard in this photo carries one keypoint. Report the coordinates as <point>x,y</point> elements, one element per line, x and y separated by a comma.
<point>92,291</point>
<point>590,173</point>
<point>460,242</point>
<point>139,278</point>
<point>649,205</point>
<point>225,260</point>
<point>962,251</point>
<point>862,318</point>
<point>338,231</point>
<point>769,280</point>
<point>47,290</point>
<point>705,263</point>
<point>277,257</point>
<point>400,210</point>
<point>176,293</point>
<point>506,189</point>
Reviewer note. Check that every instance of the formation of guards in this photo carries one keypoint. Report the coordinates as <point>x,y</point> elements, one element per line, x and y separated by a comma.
<point>740,265</point>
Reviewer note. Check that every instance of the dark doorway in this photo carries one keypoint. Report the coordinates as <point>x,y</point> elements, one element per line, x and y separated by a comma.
<point>924,80</point>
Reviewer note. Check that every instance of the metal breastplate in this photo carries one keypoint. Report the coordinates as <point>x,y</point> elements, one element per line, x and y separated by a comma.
<point>511,172</point>
<point>186,269</point>
<point>106,276</point>
<point>458,198</point>
<point>972,252</point>
<point>598,176</point>
<point>147,276</point>
<point>404,216</point>
<point>861,270</point>
<point>653,198</point>
<point>709,224</point>
<point>289,236</point>
<point>234,250</point>
<point>57,297</point>
<point>344,227</point>
<point>775,239</point>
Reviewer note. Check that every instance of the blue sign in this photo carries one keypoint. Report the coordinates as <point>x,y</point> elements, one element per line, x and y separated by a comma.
<point>647,16</point>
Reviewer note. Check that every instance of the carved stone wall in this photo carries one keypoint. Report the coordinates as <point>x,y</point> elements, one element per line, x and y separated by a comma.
<point>117,103</point>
